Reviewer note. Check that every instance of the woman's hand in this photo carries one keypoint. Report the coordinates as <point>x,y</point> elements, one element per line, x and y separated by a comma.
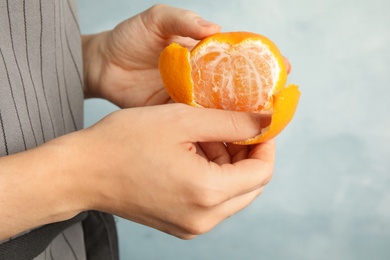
<point>164,166</point>
<point>145,165</point>
<point>122,65</point>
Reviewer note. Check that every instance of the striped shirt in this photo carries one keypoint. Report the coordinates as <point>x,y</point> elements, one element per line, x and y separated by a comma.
<point>41,93</point>
<point>41,88</point>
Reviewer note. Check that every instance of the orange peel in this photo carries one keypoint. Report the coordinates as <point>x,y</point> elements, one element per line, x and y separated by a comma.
<point>238,71</point>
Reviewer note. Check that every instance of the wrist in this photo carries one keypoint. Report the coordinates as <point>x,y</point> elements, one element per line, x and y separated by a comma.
<point>93,48</point>
<point>36,189</point>
<point>85,169</point>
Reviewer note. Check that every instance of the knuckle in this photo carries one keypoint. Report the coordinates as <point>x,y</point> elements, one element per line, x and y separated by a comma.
<point>207,200</point>
<point>155,9</point>
<point>207,197</point>
<point>186,236</point>
<point>267,174</point>
<point>268,177</point>
<point>152,17</point>
<point>195,226</point>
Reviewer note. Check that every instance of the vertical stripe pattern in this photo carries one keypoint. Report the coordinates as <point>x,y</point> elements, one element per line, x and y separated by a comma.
<point>41,95</point>
<point>41,87</point>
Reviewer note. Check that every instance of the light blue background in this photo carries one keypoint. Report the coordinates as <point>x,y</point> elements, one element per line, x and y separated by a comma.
<point>330,195</point>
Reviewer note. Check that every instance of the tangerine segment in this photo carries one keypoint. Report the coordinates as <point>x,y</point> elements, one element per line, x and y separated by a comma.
<point>284,106</point>
<point>236,71</point>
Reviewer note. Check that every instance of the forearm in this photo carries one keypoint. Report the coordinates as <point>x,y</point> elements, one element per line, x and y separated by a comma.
<point>37,188</point>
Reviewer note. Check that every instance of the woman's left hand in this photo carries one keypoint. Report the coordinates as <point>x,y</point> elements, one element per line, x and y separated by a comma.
<point>122,65</point>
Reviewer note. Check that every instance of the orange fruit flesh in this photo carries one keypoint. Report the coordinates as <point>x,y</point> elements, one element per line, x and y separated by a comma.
<point>232,71</point>
<point>232,77</point>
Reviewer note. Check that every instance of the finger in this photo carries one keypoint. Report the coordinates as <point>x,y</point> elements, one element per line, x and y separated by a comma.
<point>203,219</point>
<point>266,153</point>
<point>244,176</point>
<point>237,204</point>
<point>216,152</point>
<point>213,152</point>
<point>172,21</point>
<point>186,42</point>
<point>288,65</point>
<point>199,151</point>
<point>213,125</point>
<point>238,152</point>
<point>206,218</point>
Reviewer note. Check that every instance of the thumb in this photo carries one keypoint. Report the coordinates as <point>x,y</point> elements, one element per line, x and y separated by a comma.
<point>172,21</point>
<point>214,125</point>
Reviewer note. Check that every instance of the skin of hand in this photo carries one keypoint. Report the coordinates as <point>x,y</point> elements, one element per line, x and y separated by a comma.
<point>162,166</point>
<point>121,65</point>
<point>170,167</point>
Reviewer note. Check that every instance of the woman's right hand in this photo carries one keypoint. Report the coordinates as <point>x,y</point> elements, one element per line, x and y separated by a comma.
<point>164,166</point>
<point>145,165</point>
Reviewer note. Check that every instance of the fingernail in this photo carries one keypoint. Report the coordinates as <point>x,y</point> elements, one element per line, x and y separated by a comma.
<point>205,23</point>
<point>288,65</point>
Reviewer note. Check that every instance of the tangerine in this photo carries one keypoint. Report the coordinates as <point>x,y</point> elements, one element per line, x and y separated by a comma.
<point>238,71</point>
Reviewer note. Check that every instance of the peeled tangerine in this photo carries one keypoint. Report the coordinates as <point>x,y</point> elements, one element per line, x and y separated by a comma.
<point>237,71</point>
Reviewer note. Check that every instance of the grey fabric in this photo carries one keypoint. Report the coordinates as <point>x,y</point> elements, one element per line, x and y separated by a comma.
<point>41,95</point>
<point>101,240</point>
<point>40,72</point>
<point>66,245</point>
<point>31,244</point>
